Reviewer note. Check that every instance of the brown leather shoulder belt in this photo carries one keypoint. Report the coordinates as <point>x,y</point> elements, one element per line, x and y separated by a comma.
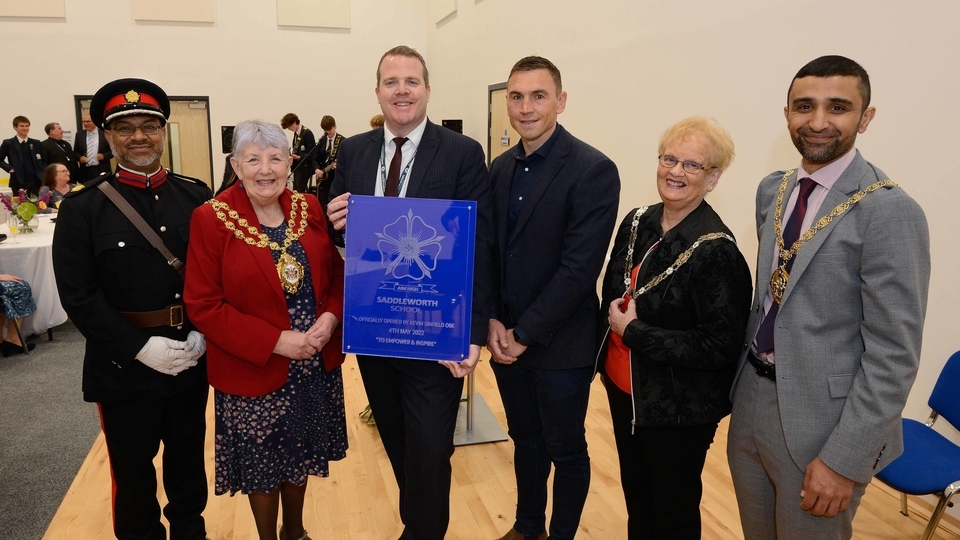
<point>172,315</point>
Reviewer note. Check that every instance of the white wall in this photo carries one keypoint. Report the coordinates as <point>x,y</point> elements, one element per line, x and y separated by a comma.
<point>630,69</point>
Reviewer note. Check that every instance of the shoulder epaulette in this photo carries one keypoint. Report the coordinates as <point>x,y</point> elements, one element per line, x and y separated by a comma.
<point>84,188</point>
<point>192,180</point>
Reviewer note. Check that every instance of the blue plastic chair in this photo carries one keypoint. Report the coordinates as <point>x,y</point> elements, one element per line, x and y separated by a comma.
<point>930,464</point>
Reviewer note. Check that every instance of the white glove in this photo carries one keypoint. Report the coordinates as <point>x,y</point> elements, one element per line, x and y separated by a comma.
<point>196,344</point>
<point>166,355</point>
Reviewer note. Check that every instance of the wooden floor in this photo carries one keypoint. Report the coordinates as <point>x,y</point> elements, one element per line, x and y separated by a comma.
<point>359,499</point>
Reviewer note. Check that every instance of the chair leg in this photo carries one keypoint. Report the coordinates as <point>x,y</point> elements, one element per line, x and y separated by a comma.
<point>903,504</point>
<point>939,510</point>
<point>49,334</point>
<point>23,342</point>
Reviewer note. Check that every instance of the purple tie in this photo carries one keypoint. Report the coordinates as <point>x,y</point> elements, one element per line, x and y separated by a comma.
<point>393,175</point>
<point>790,235</point>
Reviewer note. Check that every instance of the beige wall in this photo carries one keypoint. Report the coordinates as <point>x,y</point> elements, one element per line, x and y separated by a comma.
<point>630,68</point>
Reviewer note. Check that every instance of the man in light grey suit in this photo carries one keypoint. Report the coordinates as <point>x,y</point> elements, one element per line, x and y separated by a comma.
<point>833,342</point>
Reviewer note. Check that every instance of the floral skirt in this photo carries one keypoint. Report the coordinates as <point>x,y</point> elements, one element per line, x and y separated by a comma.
<point>17,299</point>
<point>284,436</point>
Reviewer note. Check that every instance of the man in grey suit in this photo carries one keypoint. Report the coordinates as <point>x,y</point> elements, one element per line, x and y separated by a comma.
<point>555,207</point>
<point>415,402</point>
<point>833,342</point>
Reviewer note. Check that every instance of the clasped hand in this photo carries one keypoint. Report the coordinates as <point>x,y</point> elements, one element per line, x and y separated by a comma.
<point>503,348</point>
<point>620,315</point>
<point>303,345</point>
<point>169,356</point>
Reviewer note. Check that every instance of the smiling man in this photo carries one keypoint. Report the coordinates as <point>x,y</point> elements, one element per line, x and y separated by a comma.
<point>415,402</point>
<point>144,363</point>
<point>23,158</point>
<point>555,207</point>
<point>833,343</point>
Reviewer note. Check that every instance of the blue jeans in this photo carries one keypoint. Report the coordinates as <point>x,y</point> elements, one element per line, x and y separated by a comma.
<point>545,411</point>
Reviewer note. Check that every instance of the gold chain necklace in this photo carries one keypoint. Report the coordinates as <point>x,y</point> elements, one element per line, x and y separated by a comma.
<point>289,270</point>
<point>780,277</point>
<point>681,259</point>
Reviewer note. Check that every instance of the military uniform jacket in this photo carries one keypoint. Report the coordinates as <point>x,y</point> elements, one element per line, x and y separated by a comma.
<point>104,265</point>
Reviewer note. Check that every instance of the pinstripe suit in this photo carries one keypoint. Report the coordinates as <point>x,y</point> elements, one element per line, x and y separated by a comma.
<point>415,403</point>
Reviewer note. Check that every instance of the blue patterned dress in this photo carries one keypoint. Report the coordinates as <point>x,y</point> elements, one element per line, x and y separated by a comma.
<point>286,435</point>
<point>17,299</point>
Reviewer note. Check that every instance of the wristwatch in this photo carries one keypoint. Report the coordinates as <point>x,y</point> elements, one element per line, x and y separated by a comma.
<point>518,339</point>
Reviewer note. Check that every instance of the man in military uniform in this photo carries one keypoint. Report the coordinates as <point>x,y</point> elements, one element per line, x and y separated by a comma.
<point>304,143</point>
<point>144,364</point>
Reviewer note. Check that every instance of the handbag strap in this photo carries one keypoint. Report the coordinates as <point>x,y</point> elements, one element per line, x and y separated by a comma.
<point>142,226</point>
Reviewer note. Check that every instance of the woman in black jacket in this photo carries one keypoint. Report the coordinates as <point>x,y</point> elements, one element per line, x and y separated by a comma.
<point>676,296</point>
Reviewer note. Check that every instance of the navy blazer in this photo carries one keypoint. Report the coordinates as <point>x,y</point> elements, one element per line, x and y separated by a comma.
<point>549,265</point>
<point>447,166</point>
<point>12,159</point>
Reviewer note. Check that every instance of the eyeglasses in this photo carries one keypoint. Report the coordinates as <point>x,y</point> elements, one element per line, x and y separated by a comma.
<point>690,167</point>
<point>126,130</point>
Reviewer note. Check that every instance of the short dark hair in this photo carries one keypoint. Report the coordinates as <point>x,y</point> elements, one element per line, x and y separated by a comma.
<point>836,66</point>
<point>533,63</point>
<point>410,52</point>
<point>49,127</point>
<point>20,120</point>
<point>288,120</point>
<point>327,122</point>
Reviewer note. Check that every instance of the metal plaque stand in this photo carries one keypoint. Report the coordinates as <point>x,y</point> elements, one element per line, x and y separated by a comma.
<point>475,422</point>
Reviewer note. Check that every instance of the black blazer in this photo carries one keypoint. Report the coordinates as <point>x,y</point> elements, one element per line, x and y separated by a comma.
<point>80,149</point>
<point>447,166</point>
<point>548,267</point>
<point>304,147</point>
<point>55,151</point>
<point>12,159</point>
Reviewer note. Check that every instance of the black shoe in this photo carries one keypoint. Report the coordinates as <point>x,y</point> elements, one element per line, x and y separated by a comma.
<point>11,349</point>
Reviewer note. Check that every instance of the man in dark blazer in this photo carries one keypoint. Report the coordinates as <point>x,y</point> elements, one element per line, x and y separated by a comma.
<point>555,207</point>
<point>415,402</point>
<point>833,342</point>
<point>92,151</point>
<point>22,157</point>
<point>56,150</point>
<point>329,147</point>
<point>304,151</point>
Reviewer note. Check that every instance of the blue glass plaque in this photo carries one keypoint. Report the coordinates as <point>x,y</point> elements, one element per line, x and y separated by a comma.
<point>409,277</point>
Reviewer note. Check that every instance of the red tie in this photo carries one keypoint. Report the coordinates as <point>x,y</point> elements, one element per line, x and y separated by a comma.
<point>790,235</point>
<point>393,175</point>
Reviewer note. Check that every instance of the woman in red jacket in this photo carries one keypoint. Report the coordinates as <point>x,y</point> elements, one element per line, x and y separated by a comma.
<point>265,286</point>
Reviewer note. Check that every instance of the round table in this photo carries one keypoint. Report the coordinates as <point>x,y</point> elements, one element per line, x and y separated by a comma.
<point>32,259</point>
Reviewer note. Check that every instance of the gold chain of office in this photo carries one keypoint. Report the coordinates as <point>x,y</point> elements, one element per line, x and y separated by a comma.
<point>780,277</point>
<point>681,259</point>
<point>290,271</point>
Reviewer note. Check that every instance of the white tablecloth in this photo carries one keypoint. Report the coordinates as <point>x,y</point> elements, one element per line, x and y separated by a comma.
<point>32,259</point>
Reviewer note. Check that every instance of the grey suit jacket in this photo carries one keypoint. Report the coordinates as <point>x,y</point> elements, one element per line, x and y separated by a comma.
<point>850,324</point>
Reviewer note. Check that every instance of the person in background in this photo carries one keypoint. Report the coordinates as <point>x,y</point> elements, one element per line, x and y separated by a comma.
<point>92,151</point>
<point>56,181</point>
<point>327,158</point>
<point>304,144</point>
<point>57,150</point>
<point>17,303</point>
<point>273,328</point>
<point>676,296</point>
<point>376,121</point>
<point>22,157</point>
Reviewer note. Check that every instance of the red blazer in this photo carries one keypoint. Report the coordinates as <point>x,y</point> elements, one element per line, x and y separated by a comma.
<point>233,295</point>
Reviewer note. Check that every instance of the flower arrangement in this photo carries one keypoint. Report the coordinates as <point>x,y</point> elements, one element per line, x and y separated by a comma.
<point>25,206</point>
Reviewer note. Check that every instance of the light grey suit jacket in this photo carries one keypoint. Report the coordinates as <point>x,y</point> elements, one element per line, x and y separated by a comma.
<point>850,324</point>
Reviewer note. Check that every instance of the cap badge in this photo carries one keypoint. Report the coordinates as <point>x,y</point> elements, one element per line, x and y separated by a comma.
<point>132,96</point>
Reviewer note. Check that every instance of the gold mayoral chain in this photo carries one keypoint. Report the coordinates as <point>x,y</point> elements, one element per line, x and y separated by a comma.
<point>780,277</point>
<point>289,270</point>
<point>681,259</point>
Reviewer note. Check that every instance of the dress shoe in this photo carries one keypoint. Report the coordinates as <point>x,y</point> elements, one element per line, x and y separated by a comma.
<point>10,349</point>
<point>512,534</point>
<point>283,535</point>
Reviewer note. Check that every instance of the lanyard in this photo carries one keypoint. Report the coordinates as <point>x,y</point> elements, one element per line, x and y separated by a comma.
<point>383,169</point>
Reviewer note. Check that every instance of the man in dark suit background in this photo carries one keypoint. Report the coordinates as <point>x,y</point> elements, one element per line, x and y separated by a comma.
<point>327,157</point>
<point>92,151</point>
<point>304,158</point>
<point>415,402</point>
<point>555,207</point>
<point>56,150</point>
<point>22,157</point>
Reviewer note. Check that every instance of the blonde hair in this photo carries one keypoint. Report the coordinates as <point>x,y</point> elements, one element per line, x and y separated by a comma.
<point>707,130</point>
